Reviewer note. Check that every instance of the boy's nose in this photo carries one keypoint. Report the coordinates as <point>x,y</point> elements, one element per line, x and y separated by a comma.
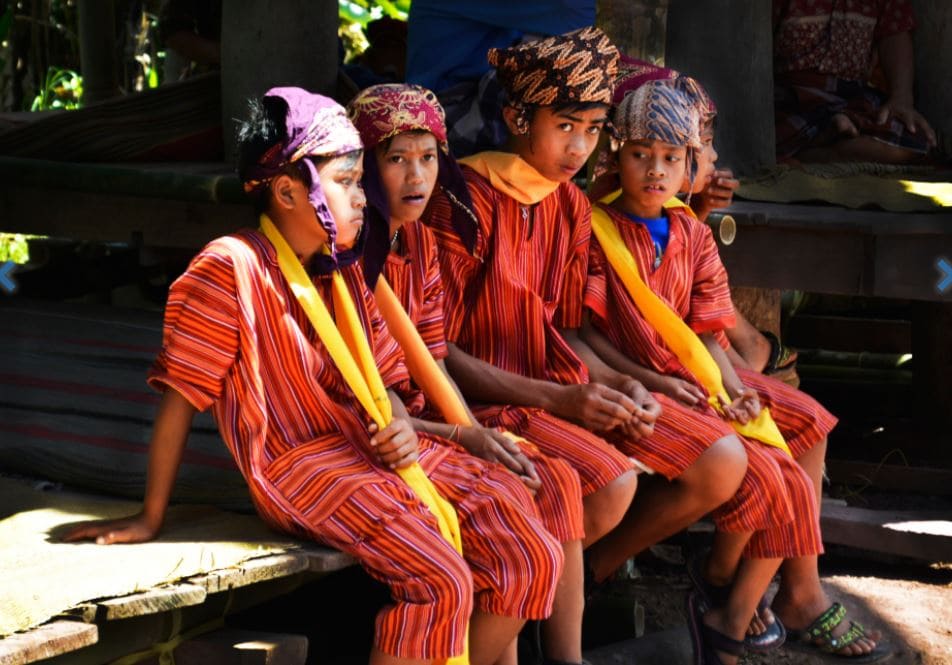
<point>415,174</point>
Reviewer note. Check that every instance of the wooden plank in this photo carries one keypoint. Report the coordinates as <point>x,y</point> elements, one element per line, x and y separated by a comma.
<point>228,646</point>
<point>922,535</point>
<point>86,613</point>
<point>46,641</point>
<point>251,571</point>
<point>152,601</point>
<point>326,560</point>
<point>892,477</point>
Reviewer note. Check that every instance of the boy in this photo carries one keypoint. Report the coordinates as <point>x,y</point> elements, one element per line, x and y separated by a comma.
<point>681,265</point>
<point>404,133</point>
<point>240,339</point>
<point>511,299</point>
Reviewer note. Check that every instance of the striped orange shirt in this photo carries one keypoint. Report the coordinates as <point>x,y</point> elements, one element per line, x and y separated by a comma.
<point>691,279</point>
<point>236,339</point>
<point>525,279</point>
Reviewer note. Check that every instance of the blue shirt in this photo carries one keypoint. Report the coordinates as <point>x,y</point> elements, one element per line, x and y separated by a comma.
<point>660,230</point>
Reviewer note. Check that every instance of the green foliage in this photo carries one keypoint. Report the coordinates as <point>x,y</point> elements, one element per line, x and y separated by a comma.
<point>354,15</point>
<point>62,89</point>
<point>13,247</point>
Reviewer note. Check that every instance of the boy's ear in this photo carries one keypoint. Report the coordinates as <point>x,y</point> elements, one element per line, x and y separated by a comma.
<point>282,192</point>
<point>509,116</point>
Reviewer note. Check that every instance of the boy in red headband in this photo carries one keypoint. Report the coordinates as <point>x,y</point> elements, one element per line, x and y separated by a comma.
<point>239,338</point>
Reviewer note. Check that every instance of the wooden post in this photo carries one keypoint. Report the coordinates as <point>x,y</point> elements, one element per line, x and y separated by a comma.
<point>267,44</point>
<point>637,27</point>
<point>933,62</point>
<point>728,46</point>
<point>97,49</point>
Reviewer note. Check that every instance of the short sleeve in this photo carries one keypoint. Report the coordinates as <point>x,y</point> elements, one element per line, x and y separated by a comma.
<point>596,286</point>
<point>711,305</point>
<point>569,312</point>
<point>200,337</point>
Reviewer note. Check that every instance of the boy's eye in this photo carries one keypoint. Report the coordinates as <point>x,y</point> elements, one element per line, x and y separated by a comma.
<point>566,126</point>
<point>395,159</point>
<point>674,158</point>
<point>594,129</point>
<point>429,157</point>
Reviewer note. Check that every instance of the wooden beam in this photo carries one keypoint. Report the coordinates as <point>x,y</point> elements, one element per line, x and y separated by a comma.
<point>891,477</point>
<point>926,536</point>
<point>252,571</point>
<point>326,560</point>
<point>46,641</point>
<point>152,601</point>
<point>228,646</point>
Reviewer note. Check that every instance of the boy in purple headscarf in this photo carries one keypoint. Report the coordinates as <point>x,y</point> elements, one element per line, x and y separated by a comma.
<point>239,338</point>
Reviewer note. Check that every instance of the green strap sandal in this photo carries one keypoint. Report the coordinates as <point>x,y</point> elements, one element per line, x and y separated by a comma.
<point>818,636</point>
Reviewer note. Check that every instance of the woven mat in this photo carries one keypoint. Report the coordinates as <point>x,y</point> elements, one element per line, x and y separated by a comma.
<point>40,577</point>
<point>854,185</point>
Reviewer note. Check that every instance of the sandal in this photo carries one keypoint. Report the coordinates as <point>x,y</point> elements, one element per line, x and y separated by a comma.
<point>781,357</point>
<point>706,641</point>
<point>716,596</point>
<point>818,636</point>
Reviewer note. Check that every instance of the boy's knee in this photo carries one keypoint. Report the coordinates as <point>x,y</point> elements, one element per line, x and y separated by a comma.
<point>451,589</point>
<point>605,508</point>
<point>720,470</point>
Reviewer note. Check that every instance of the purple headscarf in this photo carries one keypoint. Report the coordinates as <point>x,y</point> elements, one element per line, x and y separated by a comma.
<point>315,126</point>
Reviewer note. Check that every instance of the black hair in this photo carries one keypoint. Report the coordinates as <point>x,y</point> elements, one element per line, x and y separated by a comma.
<point>260,131</point>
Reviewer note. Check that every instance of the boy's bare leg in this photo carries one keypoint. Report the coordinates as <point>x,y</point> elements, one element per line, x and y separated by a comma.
<point>663,508</point>
<point>801,598</point>
<point>753,578</point>
<point>721,566</point>
<point>562,632</point>
<point>490,635</point>
<point>604,508</point>
<point>510,656</point>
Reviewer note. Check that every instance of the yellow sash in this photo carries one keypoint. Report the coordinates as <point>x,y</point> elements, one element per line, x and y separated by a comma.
<point>678,337</point>
<point>420,362</point>
<point>350,351</point>
<point>511,175</point>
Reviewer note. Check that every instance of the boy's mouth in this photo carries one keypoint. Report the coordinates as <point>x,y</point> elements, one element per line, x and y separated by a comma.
<point>570,169</point>
<point>655,189</point>
<point>415,198</point>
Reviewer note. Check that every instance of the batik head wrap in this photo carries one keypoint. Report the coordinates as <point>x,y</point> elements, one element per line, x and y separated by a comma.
<point>657,110</point>
<point>314,126</point>
<point>382,112</point>
<point>697,95</point>
<point>576,67</point>
<point>634,73</point>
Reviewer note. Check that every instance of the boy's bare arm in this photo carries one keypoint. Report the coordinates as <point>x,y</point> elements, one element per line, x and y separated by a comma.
<point>677,389</point>
<point>898,63</point>
<point>169,434</point>
<point>745,404</point>
<point>595,406</point>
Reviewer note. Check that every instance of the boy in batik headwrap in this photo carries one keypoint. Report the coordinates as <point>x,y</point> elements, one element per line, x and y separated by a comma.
<point>407,156</point>
<point>514,301</point>
<point>656,140</point>
<point>245,335</point>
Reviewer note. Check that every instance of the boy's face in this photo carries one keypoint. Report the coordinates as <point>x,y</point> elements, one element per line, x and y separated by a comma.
<point>408,168</point>
<point>706,160</point>
<point>559,142</point>
<point>340,180</point>
<point>651,172</point>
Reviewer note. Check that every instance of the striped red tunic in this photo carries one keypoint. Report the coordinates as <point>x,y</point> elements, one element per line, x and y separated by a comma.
<point>414,276</point>
<point>692,280</point>
<point>505,302</point>
<point>236,340</point>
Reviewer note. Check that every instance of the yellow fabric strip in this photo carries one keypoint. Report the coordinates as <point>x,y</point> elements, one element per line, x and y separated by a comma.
<point>511,175</point>
<point>424,369</point>
<point>678,337</point>
<point>350,351</point>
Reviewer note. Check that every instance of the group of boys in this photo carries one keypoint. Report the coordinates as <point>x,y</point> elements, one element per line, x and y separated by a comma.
<point>437,368</point>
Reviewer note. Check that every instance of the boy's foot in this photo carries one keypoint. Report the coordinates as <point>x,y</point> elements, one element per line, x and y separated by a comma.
<point>708,642</point>
<point>829,631</point>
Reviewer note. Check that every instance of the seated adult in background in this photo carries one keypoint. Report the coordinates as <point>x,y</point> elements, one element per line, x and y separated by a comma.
<point>827,108</point>
<point>446,52</point>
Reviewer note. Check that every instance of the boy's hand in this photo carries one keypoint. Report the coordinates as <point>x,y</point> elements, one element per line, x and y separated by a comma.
<point>134,529</point>
<point>744,408</point>
<point>683,392</point>
<point>396,445</point>
<point>647,409</point>
<point>906,113</point>
<point>493,446</point>
<point>717,194</point>
<point>594,405</point>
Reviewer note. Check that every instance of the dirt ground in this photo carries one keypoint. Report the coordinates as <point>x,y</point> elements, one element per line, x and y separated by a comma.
<point>911,603</point>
